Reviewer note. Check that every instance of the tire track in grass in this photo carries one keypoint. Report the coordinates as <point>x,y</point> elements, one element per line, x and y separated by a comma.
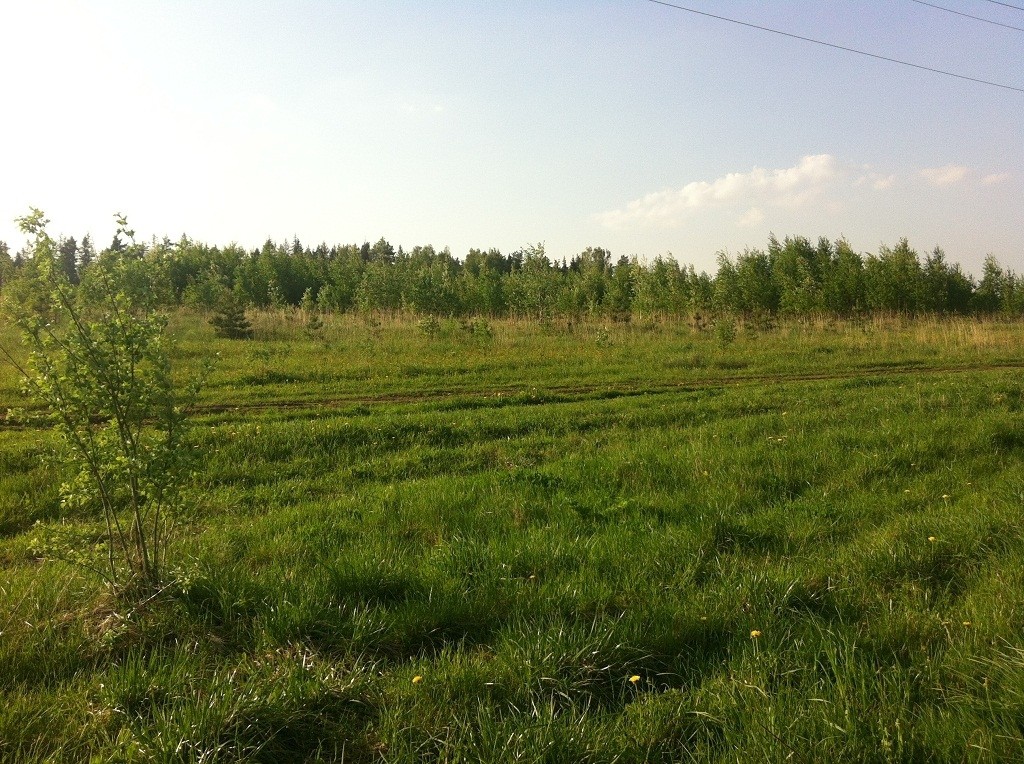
<point>521,395</point>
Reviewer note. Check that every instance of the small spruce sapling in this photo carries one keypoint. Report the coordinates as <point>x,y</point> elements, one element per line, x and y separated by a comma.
<point>229,321</point>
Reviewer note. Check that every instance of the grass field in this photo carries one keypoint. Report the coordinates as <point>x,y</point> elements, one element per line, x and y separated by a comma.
<point>551,542</point>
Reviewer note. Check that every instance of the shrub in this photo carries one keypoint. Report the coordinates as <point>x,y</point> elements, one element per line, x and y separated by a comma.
<point>102,373</point>
<point>429,326</point>
<point>725,330</point>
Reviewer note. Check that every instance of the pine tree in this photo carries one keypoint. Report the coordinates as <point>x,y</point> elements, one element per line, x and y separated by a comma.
<point>86,254</point>
<point>6,264</point>
<point>230,322</point>
<point>68,258</point>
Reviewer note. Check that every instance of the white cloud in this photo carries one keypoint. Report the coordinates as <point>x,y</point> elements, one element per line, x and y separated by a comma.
<point>996,178</point>
<point>789,187</point>
<point>751,217</point>
<point>946,175</point>
<point>818,183</point>
<point>876,180</point>
<point>881,183</point>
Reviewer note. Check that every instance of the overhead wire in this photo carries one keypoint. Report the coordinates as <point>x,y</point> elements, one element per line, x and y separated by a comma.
<point>838,47</point>
<point>1006,5</point>
<point>967,15</point>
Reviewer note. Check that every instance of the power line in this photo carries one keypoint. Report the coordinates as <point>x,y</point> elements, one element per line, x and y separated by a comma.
<point>967,15</point>
<point>1007,5</point>
<point>838,47</point>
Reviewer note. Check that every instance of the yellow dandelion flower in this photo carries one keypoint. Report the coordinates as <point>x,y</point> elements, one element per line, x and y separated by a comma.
<point>945,496</point>
<point>755,634</point>
<point>635,678</point>
<point>932,539</point>
<point>967,623</point>
<point>417,679</point>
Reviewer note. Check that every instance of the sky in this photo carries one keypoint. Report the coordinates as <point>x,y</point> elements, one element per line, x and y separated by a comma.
<point>626,124</point>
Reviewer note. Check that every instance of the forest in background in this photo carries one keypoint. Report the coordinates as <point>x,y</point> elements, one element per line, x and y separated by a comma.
<point>792,277</point>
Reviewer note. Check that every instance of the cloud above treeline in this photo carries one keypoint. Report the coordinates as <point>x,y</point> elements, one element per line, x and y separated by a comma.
<point>946,175</point>
<point>815,180</point>
<point>996,178</point>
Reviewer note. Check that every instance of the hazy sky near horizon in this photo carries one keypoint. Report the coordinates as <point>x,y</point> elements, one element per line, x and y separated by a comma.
<point>623,124</point>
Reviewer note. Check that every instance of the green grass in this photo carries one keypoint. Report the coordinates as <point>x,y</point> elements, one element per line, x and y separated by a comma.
<point>453,548</point>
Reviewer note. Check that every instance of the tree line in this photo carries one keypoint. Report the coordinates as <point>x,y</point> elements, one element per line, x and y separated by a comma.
<point>793,277</point>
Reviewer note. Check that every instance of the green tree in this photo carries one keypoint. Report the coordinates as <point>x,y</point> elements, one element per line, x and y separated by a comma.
<point>229,321</point>
<point>6,265</point>
<point>482,284</point>
<point>945,289</point>
<point>797,270</point>
<point>101,370</point>
<point>992,288</point>
<point>380,288</point>
<point>532,287</point>
<point>140,272</point>
<point>68,258</point>
<point>757,293</point>
<point>344,272</point>
<point>206,290</point>
<point>843,284</point>
<point>86,255</point>
<point>431,281</point>
<point>893,280</point>
<point>727,295</point>
<point>592,267</point>
<point>700,289</point>
<point>621,289</point>
<point>654,288</point>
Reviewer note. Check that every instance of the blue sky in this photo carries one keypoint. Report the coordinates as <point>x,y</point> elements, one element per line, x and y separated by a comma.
<point>624,124</point>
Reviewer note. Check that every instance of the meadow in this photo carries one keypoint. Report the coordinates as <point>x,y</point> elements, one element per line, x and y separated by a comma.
<point>549,541</point>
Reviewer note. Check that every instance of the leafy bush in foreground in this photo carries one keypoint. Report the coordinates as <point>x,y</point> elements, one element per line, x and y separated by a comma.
<point>103,374</point>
